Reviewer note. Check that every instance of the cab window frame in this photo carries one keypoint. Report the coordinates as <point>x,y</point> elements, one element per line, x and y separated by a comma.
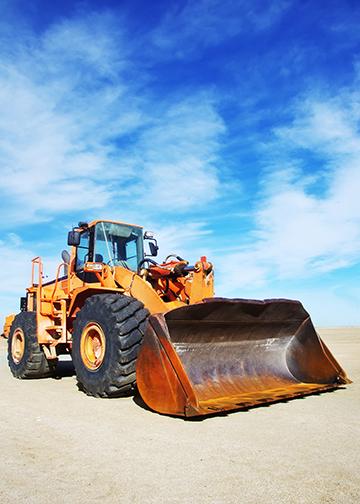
<point>90,248</point>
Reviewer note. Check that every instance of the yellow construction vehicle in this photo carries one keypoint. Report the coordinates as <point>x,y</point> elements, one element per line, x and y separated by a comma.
<point>127,320</point>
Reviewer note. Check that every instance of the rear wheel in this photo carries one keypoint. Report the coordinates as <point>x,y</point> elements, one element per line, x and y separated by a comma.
<point>107,335</point>
<point>25,357</point>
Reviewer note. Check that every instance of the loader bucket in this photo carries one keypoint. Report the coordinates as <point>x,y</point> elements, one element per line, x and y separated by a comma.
<point>222,355</point>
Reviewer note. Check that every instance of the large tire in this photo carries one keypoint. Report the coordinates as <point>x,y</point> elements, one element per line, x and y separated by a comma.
<point>116,323</point>
<point>25,357</point>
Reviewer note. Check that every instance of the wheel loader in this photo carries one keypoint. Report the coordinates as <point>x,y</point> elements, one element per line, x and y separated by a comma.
<point>128,321</point>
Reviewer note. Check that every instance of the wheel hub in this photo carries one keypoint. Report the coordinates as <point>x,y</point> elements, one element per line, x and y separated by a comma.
<point>92,346</point>
<point>18,345</point>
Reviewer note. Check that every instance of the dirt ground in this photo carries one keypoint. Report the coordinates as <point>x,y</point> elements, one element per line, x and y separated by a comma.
<point>58,445</point>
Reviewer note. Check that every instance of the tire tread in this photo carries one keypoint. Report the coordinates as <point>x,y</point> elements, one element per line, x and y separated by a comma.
<point>34,364</point>
<point>125,318</point>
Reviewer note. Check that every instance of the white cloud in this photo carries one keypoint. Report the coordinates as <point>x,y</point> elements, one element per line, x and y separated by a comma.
<point>327,126</point>
<point>183,239</point>
<point>52,157</point>
<point>79,132</point>
<point>307,221</point>
<point>179,157</point>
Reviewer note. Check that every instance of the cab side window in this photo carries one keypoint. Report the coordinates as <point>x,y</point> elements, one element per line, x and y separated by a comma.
<point>82,251</point>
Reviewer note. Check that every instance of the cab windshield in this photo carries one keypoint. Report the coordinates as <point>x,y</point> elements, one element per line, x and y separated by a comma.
<point>118,245</point>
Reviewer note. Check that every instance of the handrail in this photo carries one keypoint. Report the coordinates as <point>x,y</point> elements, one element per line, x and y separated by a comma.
<point>57,279</point>
<point>37,260</point>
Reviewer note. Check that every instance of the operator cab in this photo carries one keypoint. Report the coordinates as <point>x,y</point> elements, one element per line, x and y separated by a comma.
<point>111,243</point>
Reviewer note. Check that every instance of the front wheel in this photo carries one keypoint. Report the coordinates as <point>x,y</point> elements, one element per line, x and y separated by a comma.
<point>107,335</point>
<point>25,357</point>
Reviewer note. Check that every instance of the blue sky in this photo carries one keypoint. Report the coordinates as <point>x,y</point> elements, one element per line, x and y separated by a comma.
<point>229,128</point>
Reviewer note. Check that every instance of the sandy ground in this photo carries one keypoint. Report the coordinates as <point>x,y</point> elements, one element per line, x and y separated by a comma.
<point>58,445</point>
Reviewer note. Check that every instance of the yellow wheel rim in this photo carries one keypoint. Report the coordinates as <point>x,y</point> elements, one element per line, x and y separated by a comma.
<point>17,345</point>
<point>92,346</point>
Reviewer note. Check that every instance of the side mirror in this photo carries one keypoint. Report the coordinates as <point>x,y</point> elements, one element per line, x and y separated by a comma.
<point>153,248</point>
<point>73,238</point>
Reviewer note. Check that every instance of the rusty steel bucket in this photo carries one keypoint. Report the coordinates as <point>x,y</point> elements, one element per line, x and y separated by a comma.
<point>229,354</point>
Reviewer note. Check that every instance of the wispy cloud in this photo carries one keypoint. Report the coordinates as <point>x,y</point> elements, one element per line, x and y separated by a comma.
<point>307,220</point>
<point>187,30</point>
<point>178,155</point>
<point>78,130</point>
<point>57,95</point>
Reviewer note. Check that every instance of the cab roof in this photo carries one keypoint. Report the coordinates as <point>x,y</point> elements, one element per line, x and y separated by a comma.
<point>92,223</point>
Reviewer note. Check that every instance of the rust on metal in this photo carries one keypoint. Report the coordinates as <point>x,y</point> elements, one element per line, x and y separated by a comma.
<point>222,355</point>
